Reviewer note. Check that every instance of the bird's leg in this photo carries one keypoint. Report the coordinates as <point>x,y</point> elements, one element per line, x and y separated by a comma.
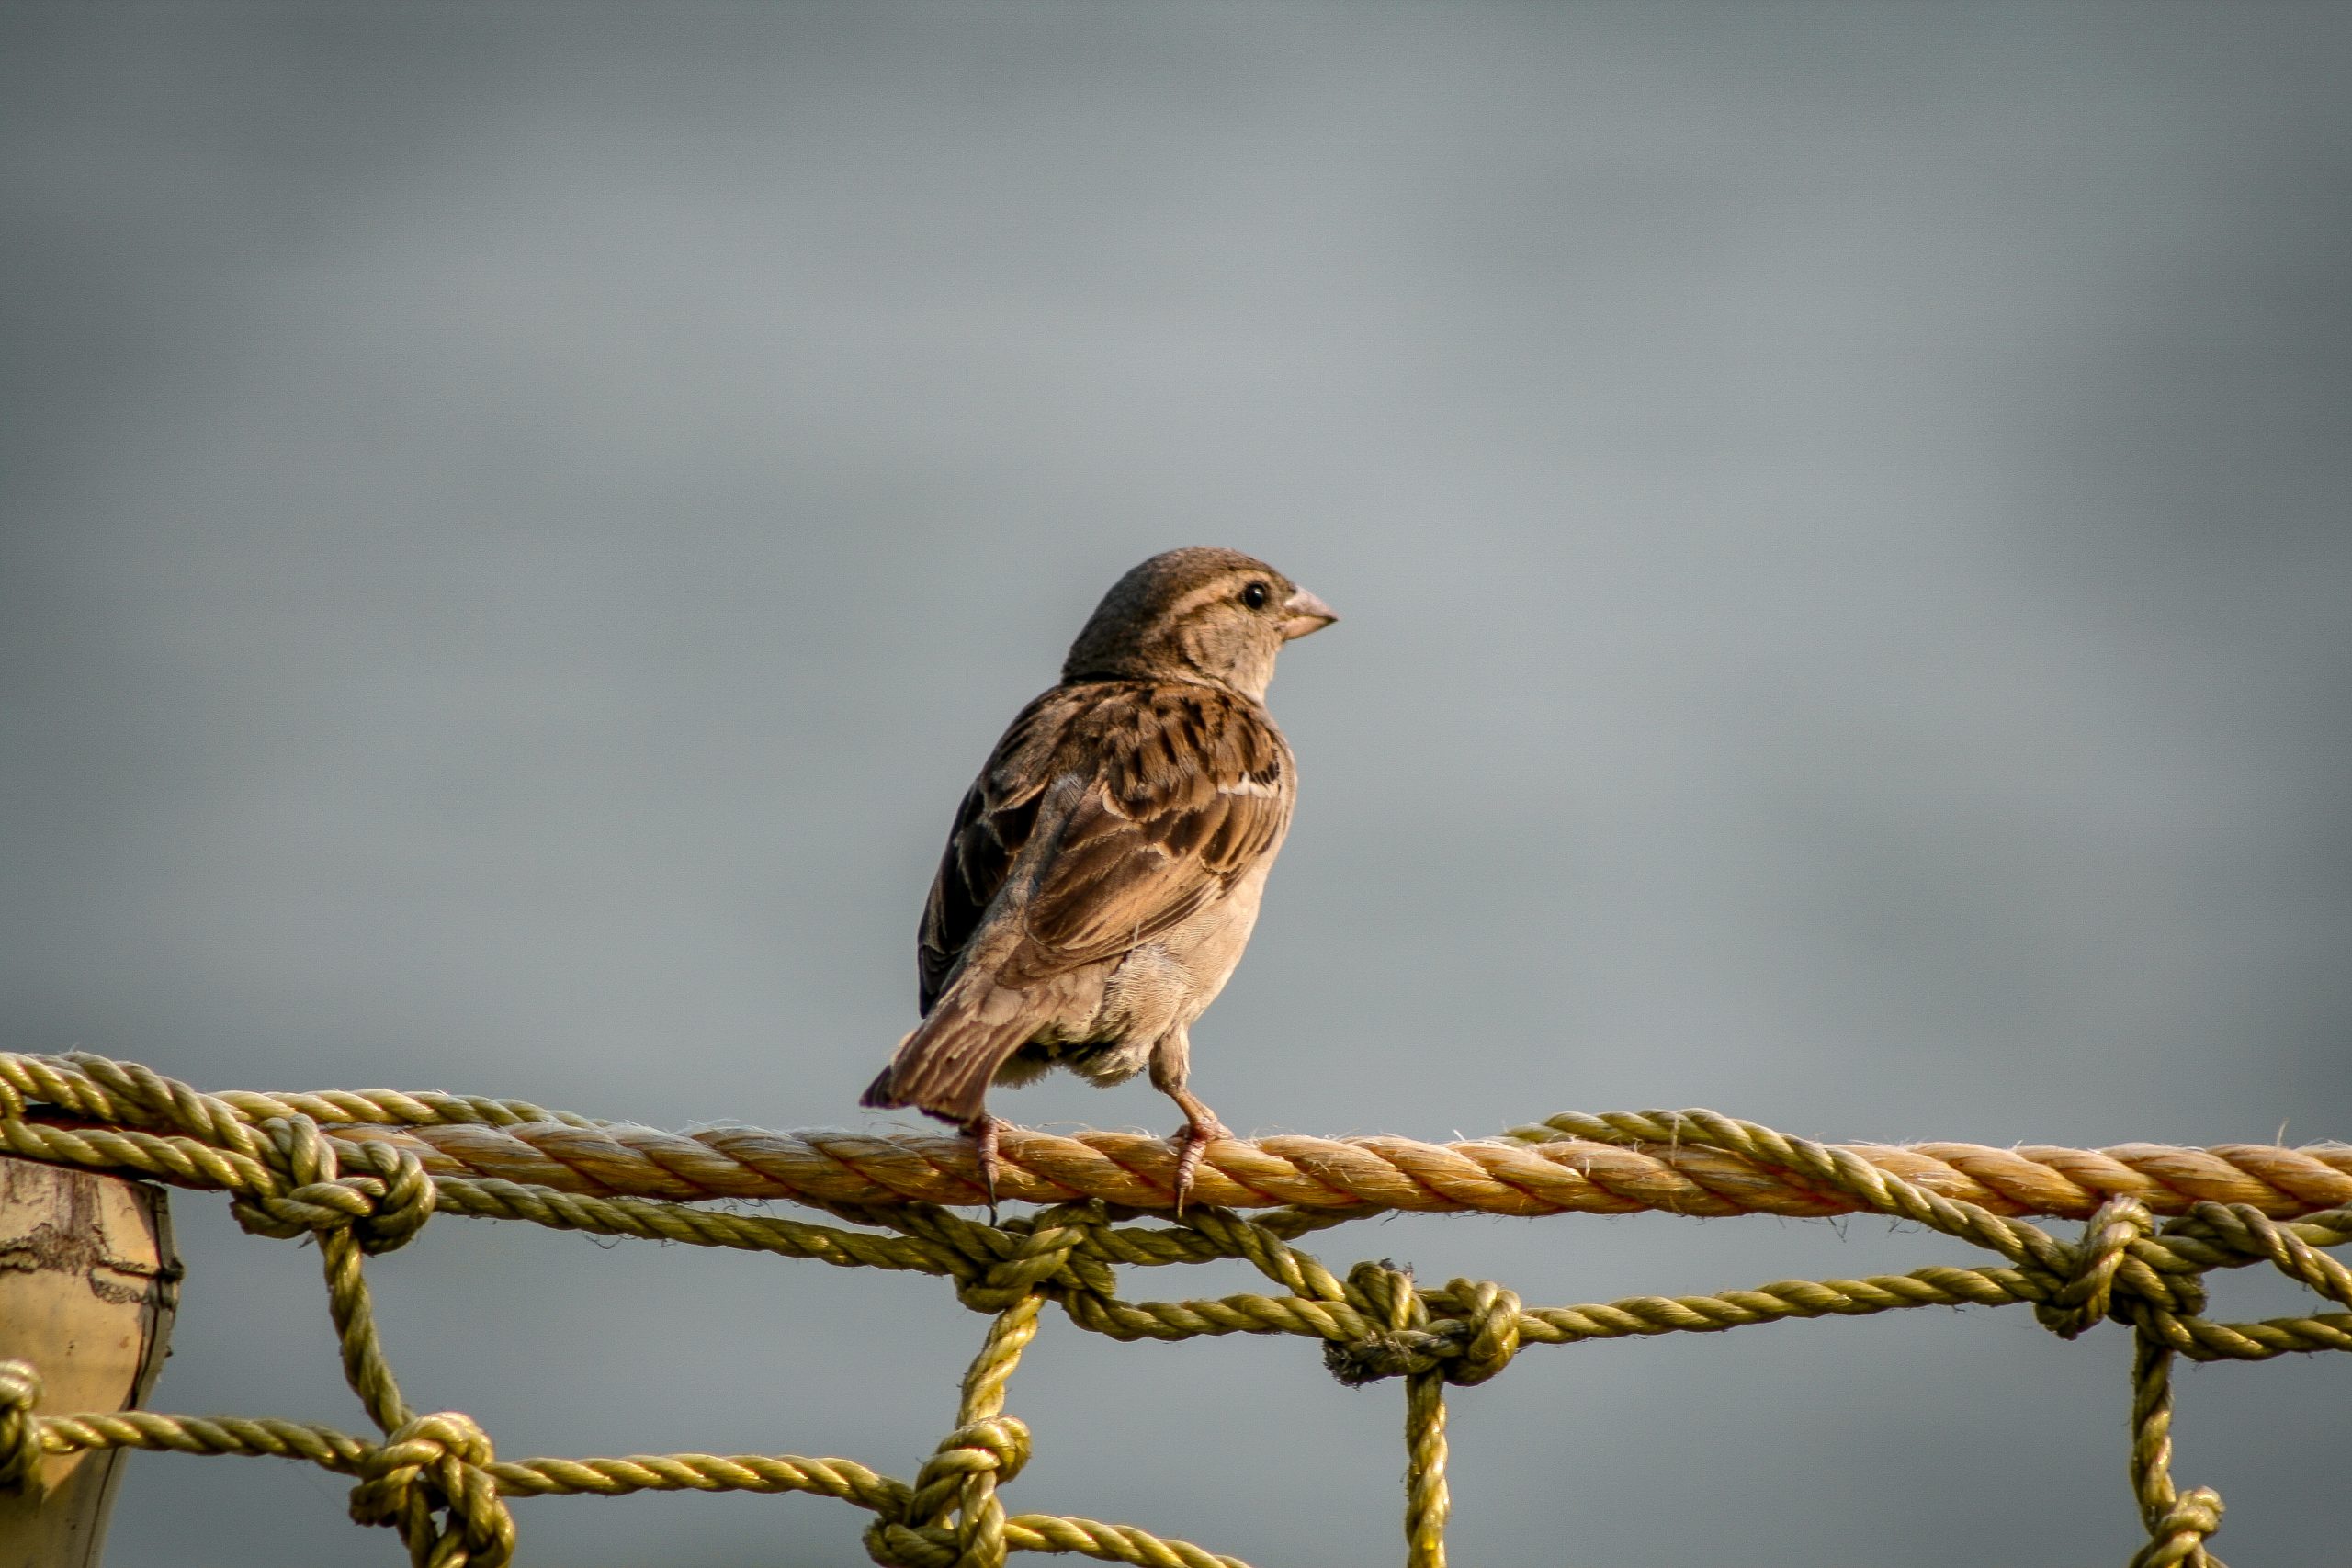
<point>983,1130</point>
<point>1170,1060</point>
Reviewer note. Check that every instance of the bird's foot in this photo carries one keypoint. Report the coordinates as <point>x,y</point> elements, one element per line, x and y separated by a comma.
<point>1200,1131</point>
<point>983,1131</point>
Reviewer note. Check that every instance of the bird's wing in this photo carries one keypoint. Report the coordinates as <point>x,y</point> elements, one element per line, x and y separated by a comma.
<point>992,825</point>
<point>1109,813</point>
<point>1191,788</point>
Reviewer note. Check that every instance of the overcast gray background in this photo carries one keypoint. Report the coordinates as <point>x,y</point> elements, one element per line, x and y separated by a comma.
<point>522,521</point>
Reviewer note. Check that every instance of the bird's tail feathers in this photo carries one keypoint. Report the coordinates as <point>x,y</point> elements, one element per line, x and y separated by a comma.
<point>943,1067</point>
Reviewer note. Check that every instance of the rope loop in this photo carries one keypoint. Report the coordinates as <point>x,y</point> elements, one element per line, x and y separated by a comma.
<point>1387,1291</point>
<point>433,1465</point>
<point>20,1450</point>
<point>383,1208</point>
<point>2178,1537</point>
<point>405,1202</point>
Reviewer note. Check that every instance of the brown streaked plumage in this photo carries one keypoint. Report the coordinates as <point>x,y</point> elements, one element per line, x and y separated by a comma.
<point>1103,871</point>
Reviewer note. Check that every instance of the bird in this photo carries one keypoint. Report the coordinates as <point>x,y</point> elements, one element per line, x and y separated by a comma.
<point>1105,870</point>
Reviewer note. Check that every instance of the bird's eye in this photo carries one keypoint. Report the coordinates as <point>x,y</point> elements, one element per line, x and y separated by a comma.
<point>1254,596</point>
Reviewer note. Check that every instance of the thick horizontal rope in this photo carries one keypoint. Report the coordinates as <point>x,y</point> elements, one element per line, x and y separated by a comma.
<point>1622,1163</point>
<point>1357,1175</point>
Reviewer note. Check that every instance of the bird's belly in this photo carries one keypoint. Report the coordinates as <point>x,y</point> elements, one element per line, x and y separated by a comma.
<point>1150,990</point>
<point>1167,984</point>
<point>1144,994</point>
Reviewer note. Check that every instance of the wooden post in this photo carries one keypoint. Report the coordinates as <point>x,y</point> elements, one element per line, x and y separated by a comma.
<point>88,1281</point>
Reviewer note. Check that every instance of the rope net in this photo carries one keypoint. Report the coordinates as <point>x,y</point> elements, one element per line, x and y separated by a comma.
<point>364,1171</point>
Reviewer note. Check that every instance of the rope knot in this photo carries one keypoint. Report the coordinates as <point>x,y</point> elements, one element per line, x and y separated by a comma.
<point>20,1450</point>
<point>2176,1537</point>
<point>1045,1250</point>
<point>962,1473</point>
<point>1490,1315</point>
<point>1383,1293</point>
<point>997,1446</point>
<point>431,1465</point>
<point>383,1206</point>
<point>2089,1293</point>
<point>1474,1337</point>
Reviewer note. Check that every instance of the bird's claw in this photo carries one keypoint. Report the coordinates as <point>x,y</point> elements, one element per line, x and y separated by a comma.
<point>983,1131</point>
<point>1191,1143</point>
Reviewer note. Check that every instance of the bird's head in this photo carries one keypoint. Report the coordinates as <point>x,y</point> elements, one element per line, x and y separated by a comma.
<point>1197,615</point>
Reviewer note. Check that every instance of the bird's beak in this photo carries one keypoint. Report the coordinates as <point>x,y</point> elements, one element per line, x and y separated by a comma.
<point>1306,614</point>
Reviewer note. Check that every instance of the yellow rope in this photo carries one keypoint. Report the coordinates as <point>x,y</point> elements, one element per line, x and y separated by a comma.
<point>364,1171</point>
<point>1617,1164</point>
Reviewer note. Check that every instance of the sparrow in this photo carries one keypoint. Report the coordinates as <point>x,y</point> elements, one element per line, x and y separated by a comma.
<point>1103,871</point>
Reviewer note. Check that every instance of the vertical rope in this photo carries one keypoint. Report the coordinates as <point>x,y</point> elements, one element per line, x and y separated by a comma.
<point>980,1513</point>
<point>339,1211</point>
<point>1427,1503</point>
<point>1388,1290</point>
<point>2177,1524</point>
<point>428,1478</point>
<point>348,1302</point>
<point>984,1381</point>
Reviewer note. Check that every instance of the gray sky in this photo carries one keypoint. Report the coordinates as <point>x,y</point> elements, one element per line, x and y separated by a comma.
<point>521,520</point>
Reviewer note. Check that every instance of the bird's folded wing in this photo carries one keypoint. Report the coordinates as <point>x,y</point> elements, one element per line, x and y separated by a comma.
<point>992,827</point>
<point>1181,790</point>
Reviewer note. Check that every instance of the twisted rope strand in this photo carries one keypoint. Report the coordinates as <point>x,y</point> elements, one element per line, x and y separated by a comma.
<point>1359,1176</point>
<point>1680,1162</point>
<point>1344,1179</point>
